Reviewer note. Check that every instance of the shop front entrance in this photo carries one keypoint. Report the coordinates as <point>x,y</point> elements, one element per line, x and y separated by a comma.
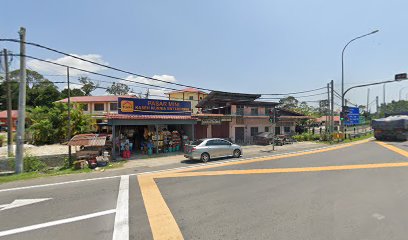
<point>239,135</point>
<point>146,135</point>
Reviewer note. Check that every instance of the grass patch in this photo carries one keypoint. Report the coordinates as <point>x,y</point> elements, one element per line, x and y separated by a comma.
<point>53,172</point>
<point>359,138</point>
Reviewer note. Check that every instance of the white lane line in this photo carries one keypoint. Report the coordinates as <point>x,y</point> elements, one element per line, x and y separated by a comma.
<point>159,171</point>
<point>56,184</point>
<point>54,223</point>
<point>121,227</point>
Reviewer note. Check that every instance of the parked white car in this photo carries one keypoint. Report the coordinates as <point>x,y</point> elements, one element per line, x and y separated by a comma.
<point>206,149</point>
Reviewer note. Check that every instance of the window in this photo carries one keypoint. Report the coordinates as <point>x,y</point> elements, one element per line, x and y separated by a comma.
<point>268,111</point>
<point>254,131</point>
<point>286,129</point>
<point>254,111</point>
<point>277,130</point>
<point>223,142</point>
<point>211,143</point>
<point>99,107</point>
<point>84,107</point>
<point>240,110</point>
<point>201,98</point>
<point>266,129</point>
<point>190,98</point>
<point>113,106</point>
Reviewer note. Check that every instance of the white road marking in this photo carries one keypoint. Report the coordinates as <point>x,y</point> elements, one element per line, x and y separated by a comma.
<point>22,202</point>
<point>157,171</point>
<point>54,223</point>
<point>121,227</point>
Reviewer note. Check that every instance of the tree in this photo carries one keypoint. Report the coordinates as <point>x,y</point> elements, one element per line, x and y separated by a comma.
<point>118,89</point>
<point>323,109</point>
<point>50,124</point>
<point>289,103</point>
<point>87,85</point>
<point>73,93</point>
<point>39,90</point>
<point>43,93</point>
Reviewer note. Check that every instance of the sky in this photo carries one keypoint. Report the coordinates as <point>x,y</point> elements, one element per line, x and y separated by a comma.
<point>257,46</point>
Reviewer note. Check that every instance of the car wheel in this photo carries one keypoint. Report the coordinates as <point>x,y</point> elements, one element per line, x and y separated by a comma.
<point>237,153</point>
<point>205,157</point>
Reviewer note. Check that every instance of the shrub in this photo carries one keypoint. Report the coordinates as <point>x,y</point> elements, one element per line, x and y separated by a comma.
<point>31,163</point>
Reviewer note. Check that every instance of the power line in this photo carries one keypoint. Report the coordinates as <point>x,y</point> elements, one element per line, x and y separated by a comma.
<point>274,94</point>
<point>135,74</point>
<point>99,74</point>
<point>312,95</point>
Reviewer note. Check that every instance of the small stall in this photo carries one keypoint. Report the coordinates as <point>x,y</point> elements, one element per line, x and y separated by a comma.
<point>150,126</point>
<point>91,149</point>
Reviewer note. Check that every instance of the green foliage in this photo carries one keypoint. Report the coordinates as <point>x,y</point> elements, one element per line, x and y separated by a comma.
<point>73,93</point>
<point>2,138</point>
<point>30,163</point>
<point>307,137</point>
<point>40,91</point>
<point>289,103</point>
<point>50,125</point>
<point>394,107</point>
<point>87,85</point>
<point>118,89</point>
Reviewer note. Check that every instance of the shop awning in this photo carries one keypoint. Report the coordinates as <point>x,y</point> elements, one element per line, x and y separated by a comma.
<point>128,119</point>
<point>87,140</point>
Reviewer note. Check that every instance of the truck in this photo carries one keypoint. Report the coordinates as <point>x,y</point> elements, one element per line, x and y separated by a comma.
<point>391,128</point>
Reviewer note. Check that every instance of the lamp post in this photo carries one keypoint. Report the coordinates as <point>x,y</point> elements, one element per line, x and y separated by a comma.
<point>342,69</point>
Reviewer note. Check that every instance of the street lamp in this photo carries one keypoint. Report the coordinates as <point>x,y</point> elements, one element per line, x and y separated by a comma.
<point>342,69</point>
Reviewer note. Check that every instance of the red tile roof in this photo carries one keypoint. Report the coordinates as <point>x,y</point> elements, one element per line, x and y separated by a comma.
<point>148,117</point>
<point>323,119</point>
<point>84,99</point>
<point>193,90</point>
<point>14,114</point>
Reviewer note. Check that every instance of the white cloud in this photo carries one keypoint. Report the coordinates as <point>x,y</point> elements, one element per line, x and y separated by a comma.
<point>49,68</point>
<point>158,92</point>
<point>167,78</point>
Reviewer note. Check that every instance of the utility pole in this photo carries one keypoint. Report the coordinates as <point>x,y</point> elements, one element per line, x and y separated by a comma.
<point>368,99</point>
<point>69,120</point>
<point>9,106</point>
<point>332,108</point>
<point>384,99</point>
<point>376,104</point>
<point>21,104</point>
<point>147,94</point>
<point>328,108</point>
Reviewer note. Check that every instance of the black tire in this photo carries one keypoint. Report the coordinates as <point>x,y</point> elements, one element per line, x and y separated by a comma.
<point>205,157</point>
<point>236,153</point>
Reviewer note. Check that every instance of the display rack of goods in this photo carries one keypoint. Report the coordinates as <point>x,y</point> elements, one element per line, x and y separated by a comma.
<point>175,137</point>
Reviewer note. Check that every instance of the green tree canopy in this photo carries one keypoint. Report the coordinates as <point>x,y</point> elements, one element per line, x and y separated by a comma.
<point>75,92</point>
<point>88,86</point>
<point>50,124</point>
<point>118,89</point>
<point>289,103</point>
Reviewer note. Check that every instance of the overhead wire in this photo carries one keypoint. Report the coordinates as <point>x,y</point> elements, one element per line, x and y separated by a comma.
<point>132,73</point>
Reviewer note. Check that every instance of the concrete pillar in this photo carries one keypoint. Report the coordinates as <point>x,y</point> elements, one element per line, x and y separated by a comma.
<point>192,132</point>
<point>113,142</point>
<point>209,131</point>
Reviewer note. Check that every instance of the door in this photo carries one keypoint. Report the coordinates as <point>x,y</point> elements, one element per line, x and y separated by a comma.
<point>239,135</point>
<point>277,130</point>
<point>213,148</point>
<point>225,148</point>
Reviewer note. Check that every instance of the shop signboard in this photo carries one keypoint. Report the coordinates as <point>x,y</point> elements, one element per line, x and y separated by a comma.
<point>211,121</point>
<point>138,106</point>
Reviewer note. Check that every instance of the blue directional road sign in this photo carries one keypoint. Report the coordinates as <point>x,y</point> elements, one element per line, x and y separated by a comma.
<point>353,116</point>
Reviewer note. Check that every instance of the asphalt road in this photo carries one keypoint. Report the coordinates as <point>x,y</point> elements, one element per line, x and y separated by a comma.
<point>352,191</point>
